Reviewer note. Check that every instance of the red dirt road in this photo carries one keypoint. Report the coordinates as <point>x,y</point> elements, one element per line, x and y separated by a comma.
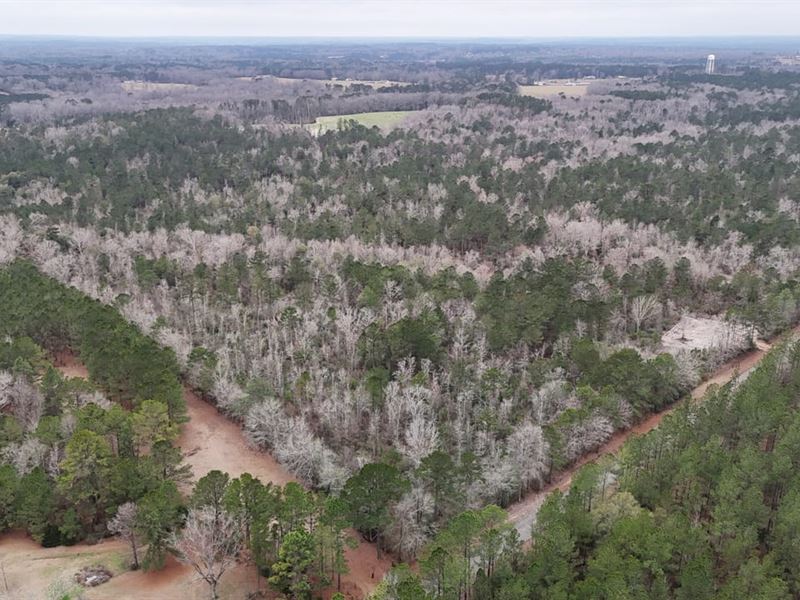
<point>523,513</point>
<point>208,441</point>
<point>211,441</point>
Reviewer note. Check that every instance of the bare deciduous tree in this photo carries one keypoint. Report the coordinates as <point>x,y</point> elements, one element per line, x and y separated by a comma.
<point>24,400</point>
<point>124,525</point>
<point>528,452</point>
<point>26,455</point>
<point>209,543</point>
<point>643,308</point>
<point>421,438</point>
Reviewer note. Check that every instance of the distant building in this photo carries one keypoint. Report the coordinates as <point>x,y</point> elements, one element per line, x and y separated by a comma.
<point>789,60</point>
<point>710,64</point>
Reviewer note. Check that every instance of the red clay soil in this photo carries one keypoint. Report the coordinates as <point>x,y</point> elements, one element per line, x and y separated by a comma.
<point>523,513</point>
<point>70,366</point>
<point>210,441</point>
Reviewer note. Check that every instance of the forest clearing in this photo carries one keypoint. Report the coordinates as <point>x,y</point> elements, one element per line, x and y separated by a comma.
<point>547,89</point>
<point>383,120</point>
<point>154,86</point>
<point>692,333</point>
<point>333,81</point>
<point>376,85</point>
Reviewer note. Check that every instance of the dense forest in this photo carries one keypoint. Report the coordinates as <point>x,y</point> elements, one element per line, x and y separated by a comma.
<point>83,459</point>
<point>422,321</point>
<point>704,507</point>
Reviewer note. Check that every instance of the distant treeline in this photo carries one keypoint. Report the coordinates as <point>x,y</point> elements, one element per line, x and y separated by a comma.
<point>639,95</point>
<point>750,79</point>
<point>6,99</point>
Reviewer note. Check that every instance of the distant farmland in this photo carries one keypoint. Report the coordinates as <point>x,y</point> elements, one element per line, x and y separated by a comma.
<point>384,120</point>
<point>345,83</point>
<point>547,89</point>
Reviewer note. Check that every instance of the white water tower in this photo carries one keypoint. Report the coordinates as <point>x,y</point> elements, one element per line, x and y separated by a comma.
<point>710,64</point>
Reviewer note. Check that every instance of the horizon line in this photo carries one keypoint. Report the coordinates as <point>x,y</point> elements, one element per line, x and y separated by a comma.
<point>443,37</point>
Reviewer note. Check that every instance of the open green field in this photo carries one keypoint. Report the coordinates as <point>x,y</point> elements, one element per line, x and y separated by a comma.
<point>384,120</point>
<point>543,91</point>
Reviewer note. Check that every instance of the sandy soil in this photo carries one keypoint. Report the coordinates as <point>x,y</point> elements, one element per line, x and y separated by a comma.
<point>523,513</point>
<point>28,571</point>
<point>69,366</point>
<point>700,333</point>
<point>209,441</point>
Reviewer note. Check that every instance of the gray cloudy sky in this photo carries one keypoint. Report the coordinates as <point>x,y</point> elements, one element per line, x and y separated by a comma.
<point>426,18</point>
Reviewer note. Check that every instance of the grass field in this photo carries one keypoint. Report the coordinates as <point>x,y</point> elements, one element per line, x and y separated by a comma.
<point>543,91</point>
<point>384,120</point>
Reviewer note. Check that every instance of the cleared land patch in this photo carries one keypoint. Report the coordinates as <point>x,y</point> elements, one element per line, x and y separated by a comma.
<point>554,88</point>
<point>703,333</point>
<point>374,84</point>
<point>383,120</point>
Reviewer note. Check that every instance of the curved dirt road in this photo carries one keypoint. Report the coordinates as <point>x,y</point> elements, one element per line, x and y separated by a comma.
<point>523,513</point>
<point>209,441</point>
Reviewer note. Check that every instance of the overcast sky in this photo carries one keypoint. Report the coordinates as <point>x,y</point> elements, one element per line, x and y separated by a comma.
<point>406,18</point>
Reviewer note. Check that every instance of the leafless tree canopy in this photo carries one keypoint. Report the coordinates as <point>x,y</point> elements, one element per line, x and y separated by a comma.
<point>210,543</point>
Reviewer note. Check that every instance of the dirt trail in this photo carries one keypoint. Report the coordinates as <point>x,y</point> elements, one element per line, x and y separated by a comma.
<point>523,513</point>
<point>208,441</point>
<point>211,441</point>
